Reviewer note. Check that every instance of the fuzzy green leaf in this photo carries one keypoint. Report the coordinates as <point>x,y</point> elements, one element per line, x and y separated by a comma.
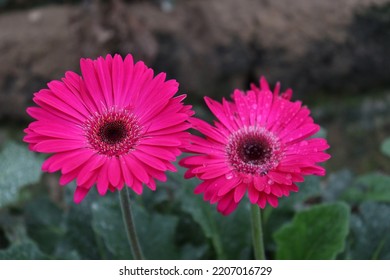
<point>370,229</point>
<point>79,236</point>
<point>26,250</point>
<point>204,215</point>
<point>19,167</point>
<point>44,222</point>
<point>235,232</point>
<point>108,226</point>
<point>316,233</point>
<point>385,147</point>
<point>370,187</point>
<point>155,231</point>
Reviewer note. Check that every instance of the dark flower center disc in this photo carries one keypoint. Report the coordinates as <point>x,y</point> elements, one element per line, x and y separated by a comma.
<point>253,150</point>
<point>113,132</point>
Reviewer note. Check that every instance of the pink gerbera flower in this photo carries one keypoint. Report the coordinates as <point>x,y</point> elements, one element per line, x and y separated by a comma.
<point>258,146</point>
<point>116,124</point>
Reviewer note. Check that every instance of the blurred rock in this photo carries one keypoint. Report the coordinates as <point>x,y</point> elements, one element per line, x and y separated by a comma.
<point>36,46</point>
<point>210,47</point>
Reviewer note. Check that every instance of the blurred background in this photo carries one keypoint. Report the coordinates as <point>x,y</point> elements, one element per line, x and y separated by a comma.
<point>334,54</point>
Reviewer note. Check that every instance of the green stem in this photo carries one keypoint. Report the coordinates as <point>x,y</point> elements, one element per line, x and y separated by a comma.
<point>257,232</point>
<point>129,224</point>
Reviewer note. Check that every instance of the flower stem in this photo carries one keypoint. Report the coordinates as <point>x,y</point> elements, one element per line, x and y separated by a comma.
<point>128,220</point>
<point>257,232</point>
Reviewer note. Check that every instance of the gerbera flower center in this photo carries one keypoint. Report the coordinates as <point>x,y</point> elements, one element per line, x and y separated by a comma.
<point>253,150</point>
<point>113,133</point>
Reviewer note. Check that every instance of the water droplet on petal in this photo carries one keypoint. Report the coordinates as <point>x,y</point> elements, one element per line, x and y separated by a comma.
<point>270,182</point>
<point>229,176</point>
<point>288,176</point>
<point>254,106</point>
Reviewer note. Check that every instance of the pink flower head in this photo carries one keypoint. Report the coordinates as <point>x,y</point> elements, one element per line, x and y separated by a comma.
<point>259,146</point>
<point>116,124</point>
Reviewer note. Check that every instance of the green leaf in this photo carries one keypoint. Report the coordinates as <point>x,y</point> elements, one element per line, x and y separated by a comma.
<point>230,235</point>
<point>108,225</point>
<point>44,221</point>
<point>370,187</point>
<point>80,239</point>
<point>190,252</point>
<point>385,147</point>
<point>156,232</point>
<point>336,185</point>
<point>13,226</point>
<point>235,232</point>
<point>19,167</point>
<point>316,233</point>
<point>203,214</point>
<point>370,228</point>
<point>26,250</point>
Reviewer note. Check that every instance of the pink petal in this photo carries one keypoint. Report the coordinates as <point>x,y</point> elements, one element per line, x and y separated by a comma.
<point>272,200</point>
<point>102,182</point>
<point>239,192</point>
<point>150,160</point>
<point>114,171</point>
<point>281,178</point>
<point>128,176</point>
<point>253,194</point>
<point>136,168</point>
<point>219,112</point>
<point>262,200</point>
<point>80,194</point>
<point>55,146</point>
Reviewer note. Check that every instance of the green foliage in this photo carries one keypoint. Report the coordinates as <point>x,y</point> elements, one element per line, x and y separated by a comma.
<point>385,147</point>
<point>79,235</point>
<point>337,184</point>
<point>26,250</point>
<point>156,232</point>
<point>235,231</point>
<point>370,228</point>
<point>316,233</point>
<point>44,223</point>
<point>370,187</point>
<point>108,226</point>
<point>173,223</point>
<point>202,213</point>
<point>19,167</point>
<point>218,229</point>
